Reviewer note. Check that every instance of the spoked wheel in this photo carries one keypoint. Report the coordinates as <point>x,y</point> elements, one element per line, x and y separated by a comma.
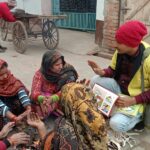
<point>19,36</point>
<point>4,29</point>
<point>50,35</point>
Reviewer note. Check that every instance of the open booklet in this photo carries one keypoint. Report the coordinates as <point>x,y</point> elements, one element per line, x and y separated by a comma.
<point>105,99</point>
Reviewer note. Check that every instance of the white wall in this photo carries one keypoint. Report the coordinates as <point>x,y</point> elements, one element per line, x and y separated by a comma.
<point>38,7</point>
<point>20,4</point>
<point>32,6</point>
<point>100,10</point>
<point>3,0</point>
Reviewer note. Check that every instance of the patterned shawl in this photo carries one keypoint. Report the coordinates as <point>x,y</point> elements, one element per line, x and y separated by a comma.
<point>67,74</point>
<point>11,85</point>
<point>83,123</point>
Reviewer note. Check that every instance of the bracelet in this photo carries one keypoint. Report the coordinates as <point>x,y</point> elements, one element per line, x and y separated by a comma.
<point>55,98</point>
<point>40,99</point>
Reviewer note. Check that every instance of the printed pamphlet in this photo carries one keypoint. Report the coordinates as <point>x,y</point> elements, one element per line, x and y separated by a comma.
<point>105,99</point>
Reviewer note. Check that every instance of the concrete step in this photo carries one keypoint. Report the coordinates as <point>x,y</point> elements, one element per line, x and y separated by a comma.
<point>106,55</point>
<point>101,52</point>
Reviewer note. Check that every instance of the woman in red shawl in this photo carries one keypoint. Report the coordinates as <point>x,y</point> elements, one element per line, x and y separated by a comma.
<point>14,101</point>
<point>48,80</point>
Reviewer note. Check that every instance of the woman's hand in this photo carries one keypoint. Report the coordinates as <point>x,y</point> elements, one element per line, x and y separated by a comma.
<point>20,117</point>
<point>19,138</point>
<point>28,109</point>
<point>6,129</point>
<point>47,100</point>
<point>125,101</point>
<point>45,107</point>
<point>96,68</point>
<point>84,82</point>
<point>34,120</point>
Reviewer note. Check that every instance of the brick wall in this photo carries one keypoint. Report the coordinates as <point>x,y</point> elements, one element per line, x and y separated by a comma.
<point>111,22</point>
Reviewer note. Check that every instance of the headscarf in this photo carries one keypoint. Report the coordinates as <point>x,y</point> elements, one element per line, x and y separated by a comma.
<point>131,33</point>
<point>67,74</point>
<point>11,85</point>
<point>82,125</point>
<point>79,106</point>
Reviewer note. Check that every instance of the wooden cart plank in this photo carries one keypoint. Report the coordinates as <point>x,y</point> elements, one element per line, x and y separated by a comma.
<point>40,16</point>
<point>53,17</point>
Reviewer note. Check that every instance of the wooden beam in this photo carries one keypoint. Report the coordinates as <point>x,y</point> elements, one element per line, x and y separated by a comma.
<point>99,32</point>
<point>123,4</point>
<point>137,10</point>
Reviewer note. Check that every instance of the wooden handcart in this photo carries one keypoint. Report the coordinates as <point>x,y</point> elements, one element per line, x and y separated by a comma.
<point>24,28</point>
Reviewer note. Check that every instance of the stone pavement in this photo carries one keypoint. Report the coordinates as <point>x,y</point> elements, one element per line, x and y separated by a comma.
<point>74,45</point>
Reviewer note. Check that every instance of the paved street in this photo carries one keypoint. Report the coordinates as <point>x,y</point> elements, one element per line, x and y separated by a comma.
<point>74,45</point>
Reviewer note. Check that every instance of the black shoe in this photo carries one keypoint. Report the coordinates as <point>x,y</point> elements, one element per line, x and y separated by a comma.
<point>139,127</point>
<point>3,48</point>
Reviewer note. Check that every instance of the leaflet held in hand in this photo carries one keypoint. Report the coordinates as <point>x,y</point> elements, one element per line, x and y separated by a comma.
<point>105,99</point>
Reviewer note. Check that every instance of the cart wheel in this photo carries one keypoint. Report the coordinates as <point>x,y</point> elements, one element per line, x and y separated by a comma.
<point>19,36</point>
<point>4,29</point>
<point>50,35</point>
